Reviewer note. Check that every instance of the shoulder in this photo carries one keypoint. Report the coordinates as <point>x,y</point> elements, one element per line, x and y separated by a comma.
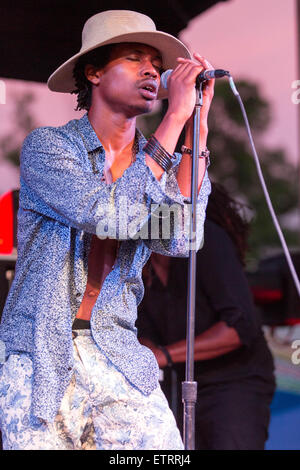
<point>46,138</point>
<point>215,231</point>
<point>47,145</point>
<point>217,242</point>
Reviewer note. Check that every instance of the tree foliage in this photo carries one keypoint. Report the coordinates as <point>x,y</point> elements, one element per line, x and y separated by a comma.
<point>23,123</point>
<point>233,164</point>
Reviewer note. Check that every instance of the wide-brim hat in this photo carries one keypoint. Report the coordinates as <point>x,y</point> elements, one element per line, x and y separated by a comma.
<point>117,26</point>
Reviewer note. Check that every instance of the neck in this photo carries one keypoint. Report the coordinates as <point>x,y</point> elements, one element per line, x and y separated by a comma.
<point>114,130</point>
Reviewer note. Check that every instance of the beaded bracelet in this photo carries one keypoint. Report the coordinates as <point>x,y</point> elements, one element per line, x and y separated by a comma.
<point>158,153</point>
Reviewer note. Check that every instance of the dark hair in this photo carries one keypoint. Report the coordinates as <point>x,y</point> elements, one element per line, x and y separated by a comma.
<point>99,58</point>
<point>225,211</point>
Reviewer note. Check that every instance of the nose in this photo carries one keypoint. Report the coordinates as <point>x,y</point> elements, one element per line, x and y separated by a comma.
<point>148,70</point>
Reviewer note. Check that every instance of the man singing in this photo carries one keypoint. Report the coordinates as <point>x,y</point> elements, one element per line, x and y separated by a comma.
<point>75,375</point>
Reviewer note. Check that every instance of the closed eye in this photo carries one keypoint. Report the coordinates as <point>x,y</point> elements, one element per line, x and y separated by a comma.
<point>133,58</point>
<point>136,58</point>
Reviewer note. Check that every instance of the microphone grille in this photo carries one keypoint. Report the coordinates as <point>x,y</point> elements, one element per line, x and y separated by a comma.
<point>164,78</point>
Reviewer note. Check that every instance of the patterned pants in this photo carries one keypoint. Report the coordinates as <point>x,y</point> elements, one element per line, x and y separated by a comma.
<point>100,409</point>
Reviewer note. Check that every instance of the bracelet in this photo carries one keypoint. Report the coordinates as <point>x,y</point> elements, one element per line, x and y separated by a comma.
<point>158,153</point>
<point>204,154</point>
<point>167,354</point>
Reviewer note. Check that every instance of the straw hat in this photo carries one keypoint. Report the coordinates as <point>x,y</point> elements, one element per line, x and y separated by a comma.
<point>115,26</point>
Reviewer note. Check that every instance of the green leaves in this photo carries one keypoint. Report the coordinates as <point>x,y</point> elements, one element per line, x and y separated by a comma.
<point>232,162</point>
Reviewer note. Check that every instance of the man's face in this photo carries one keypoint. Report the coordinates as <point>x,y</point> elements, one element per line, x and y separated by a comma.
<point>129,82</point>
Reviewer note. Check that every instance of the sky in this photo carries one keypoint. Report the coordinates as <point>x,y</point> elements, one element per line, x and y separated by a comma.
<point>254,39</point>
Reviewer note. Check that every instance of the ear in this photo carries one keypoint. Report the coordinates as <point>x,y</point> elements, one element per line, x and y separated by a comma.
<point>93,74</point>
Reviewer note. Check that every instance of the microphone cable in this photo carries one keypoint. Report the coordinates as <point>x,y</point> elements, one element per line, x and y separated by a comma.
<point>264,187</point>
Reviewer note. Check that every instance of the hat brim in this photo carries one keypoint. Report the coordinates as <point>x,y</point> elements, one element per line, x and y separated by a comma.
<point>170,48</point>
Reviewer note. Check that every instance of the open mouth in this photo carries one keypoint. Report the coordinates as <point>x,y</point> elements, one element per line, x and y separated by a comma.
<point>149,90</point>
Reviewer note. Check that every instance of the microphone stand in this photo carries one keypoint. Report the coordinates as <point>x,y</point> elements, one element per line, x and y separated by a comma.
<point>189,387</point>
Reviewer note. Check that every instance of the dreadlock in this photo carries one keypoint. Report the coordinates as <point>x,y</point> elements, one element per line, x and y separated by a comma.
<point>99,58</point>
<point>225,211</point>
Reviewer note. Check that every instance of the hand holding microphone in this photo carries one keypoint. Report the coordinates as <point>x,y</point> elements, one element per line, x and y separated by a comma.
<point>181,88</point>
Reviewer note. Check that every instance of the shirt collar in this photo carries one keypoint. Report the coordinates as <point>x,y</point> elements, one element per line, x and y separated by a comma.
<point>88,134</point>
<point>91,141</point>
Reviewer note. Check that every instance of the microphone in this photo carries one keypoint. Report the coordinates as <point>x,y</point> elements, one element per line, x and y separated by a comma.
<point>204,75</point>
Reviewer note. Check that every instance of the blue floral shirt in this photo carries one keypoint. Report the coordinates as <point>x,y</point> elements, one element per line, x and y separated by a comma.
<point>63,202</point>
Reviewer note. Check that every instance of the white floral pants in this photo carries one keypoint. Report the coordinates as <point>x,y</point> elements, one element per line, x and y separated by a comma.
<point>100,409</point>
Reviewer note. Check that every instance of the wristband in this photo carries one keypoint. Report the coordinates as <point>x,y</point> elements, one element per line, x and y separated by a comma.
<point>158,153</point>
<point>167,354</point>
<point>204,154</point>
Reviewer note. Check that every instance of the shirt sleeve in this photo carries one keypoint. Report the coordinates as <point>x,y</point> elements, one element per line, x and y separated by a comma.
<point>221,277</point>
<point>56,182</point>
<point>173,238</point>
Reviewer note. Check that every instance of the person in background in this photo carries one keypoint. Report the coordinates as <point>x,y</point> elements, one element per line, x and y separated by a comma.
<point>233,364</point>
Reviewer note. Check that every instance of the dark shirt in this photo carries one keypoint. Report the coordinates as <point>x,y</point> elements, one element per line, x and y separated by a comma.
<point>223,294</point>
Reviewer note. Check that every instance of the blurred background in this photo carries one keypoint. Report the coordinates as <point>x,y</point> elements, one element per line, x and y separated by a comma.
<point>258,42</point>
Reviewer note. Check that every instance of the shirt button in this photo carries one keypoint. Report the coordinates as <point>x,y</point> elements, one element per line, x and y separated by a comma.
<point>78,294</point>
<point>69,368</point>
